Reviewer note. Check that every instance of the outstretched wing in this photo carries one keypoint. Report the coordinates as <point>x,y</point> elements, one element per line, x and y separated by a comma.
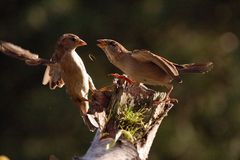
<point>22,54</point>
<point>164,64</point>
<point>53,76</point>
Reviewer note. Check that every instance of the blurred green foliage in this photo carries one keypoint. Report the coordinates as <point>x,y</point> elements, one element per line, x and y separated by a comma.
<point>205,124</point>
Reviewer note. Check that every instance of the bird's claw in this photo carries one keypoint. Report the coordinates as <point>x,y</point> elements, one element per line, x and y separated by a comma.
<point>169,100</point>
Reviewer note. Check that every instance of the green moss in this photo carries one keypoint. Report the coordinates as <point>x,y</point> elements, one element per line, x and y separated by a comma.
<point>132,117</point>
<point>131,121</point>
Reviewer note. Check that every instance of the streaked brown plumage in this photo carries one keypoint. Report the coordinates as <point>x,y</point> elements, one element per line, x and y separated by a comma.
<point>146,67</point>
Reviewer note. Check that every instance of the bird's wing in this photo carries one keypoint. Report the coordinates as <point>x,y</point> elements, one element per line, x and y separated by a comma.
<point>167,66</point>
<point>22,54</point>
<point>46,77</point>
<point>53,76</point>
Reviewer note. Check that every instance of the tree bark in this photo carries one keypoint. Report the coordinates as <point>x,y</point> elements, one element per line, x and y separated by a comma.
<point>129,117</point>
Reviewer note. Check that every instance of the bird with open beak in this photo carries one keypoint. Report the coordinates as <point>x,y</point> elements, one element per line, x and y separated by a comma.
<point>68,68</point>
<point>142,66</point>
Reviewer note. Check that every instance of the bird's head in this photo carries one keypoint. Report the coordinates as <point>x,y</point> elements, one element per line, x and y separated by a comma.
<point>111,48</point>
<point>70,41</point>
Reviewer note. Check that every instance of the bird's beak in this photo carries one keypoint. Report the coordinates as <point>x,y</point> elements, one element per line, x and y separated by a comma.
<point>81,43</point>
<point>101,43</point>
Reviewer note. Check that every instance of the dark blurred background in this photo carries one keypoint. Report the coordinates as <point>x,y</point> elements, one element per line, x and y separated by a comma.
<point>36,122</point>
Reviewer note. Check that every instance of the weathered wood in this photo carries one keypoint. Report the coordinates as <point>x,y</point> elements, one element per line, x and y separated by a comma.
<point>130,117</point>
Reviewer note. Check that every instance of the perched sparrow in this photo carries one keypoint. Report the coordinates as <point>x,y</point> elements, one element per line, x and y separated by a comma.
<point>146,67</point>
<point>68,68</point>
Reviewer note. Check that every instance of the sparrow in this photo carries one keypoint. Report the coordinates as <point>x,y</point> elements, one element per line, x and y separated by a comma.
<point>67,68</point>
<point>143,66</point>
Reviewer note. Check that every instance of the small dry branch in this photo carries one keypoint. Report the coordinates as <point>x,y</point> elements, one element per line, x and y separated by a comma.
<point>22,54</point>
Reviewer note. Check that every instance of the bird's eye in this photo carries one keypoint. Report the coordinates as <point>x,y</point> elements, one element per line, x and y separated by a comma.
<point>73,39</point>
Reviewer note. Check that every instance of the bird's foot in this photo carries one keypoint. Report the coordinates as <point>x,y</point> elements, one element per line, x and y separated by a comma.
<point>85,99</point>
<point>118,76</point>
<point>169,100</point>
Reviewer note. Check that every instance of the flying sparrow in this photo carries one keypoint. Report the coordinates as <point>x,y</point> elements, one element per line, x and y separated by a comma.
<point>68,68</point>
<point>145,67</point>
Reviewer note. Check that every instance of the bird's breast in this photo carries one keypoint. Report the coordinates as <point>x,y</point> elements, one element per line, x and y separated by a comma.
<point>74,74</point>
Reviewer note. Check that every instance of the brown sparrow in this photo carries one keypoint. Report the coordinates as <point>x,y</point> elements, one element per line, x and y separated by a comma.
<point>146,67</point>
<point>68,68</point>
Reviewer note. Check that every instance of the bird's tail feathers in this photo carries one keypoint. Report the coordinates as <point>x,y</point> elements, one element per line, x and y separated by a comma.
<point>90,122</point>
<point>89,119</point>
<point>195,67</point>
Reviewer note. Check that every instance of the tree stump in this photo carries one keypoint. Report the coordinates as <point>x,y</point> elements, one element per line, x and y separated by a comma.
<point>129,116</point>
